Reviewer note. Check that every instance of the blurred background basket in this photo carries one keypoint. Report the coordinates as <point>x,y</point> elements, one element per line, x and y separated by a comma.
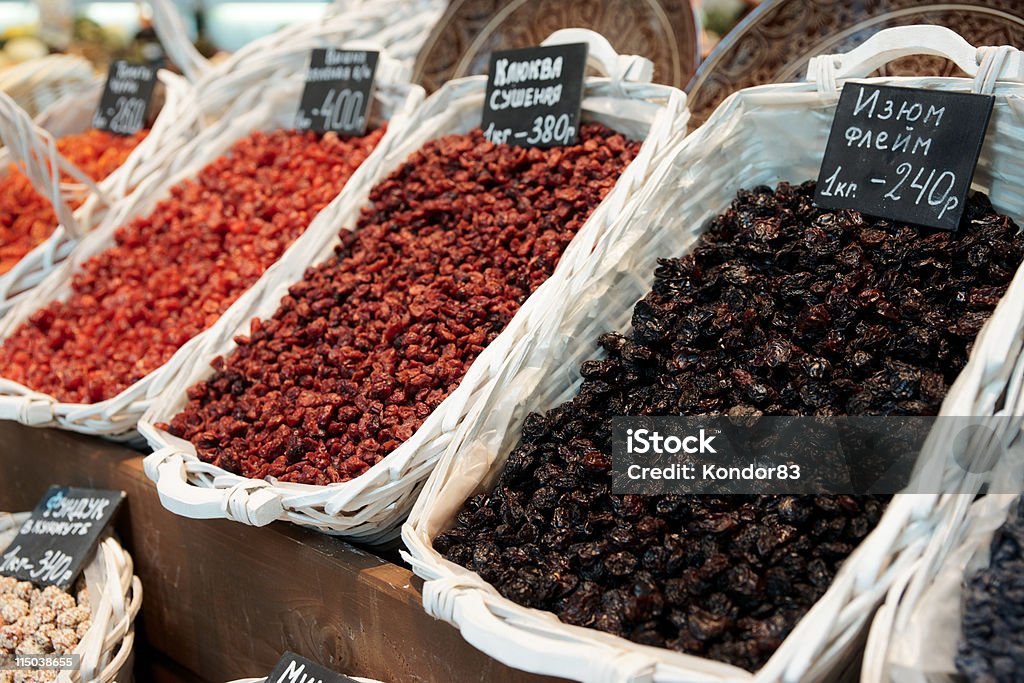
<point>38,83</point>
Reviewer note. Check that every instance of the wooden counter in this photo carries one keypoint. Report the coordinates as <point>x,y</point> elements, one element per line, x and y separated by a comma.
<point>223,600</point>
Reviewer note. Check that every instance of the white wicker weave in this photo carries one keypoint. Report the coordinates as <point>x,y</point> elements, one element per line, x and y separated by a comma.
<point>253,108</point>
<point>71,115</point>
<point>38,83</point>
<point>762,135</point>
<point>34,151</point>
<point>387,25</point>
<point>399,27</point>
<point>371,506</point>
<point>915,632</point>
<point>115,596</point>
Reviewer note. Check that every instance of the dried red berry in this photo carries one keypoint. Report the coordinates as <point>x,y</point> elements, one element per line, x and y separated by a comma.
<point>172,273</point>
<point>374,338</point>
<point>26,218</point>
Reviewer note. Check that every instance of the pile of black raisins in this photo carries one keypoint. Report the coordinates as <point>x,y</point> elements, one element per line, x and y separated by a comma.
<point>781,309</point>
<point>992,647</point>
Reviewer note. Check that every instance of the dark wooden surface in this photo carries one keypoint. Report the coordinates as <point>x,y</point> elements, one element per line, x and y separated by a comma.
<point>222,600</point>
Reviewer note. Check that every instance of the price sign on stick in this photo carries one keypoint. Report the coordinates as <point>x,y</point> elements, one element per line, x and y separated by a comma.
<point>126,97</point>
<point>903,153</point>
<point>534,95</point>
<point>53,545</point>
<point>338,92</point>
<point>294,668</point>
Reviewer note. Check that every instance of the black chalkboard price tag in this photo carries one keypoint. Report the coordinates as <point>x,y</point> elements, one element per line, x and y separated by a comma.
<point>51,548</point>
<point>338,92</point>
<point>126,97</point>
<point>534,95</point>
<point>295,669</point>
<point>903,153</point>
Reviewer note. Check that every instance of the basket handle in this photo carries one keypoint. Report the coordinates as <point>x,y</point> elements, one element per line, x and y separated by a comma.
<point>460,601</point>
<point>34,151</point>
<point>603,57</point>
<point>7,522</point>
<point>984,64</point>
<point>34,410</point>
<point>170,29</point>
<point>250,501</point>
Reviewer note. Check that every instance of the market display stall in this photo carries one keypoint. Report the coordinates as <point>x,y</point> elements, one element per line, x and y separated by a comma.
<point>522,373</point>
<point>266,590</point>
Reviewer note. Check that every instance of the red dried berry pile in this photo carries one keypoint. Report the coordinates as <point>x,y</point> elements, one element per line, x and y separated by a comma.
<point>781,309</point>
<point>26,218</point>
<point>171,274</point>
<point>374,338</point>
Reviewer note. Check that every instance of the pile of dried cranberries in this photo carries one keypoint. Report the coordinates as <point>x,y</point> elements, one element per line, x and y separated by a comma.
<point>26,218</point>
<point>172,273</point>
<point>374,338</point>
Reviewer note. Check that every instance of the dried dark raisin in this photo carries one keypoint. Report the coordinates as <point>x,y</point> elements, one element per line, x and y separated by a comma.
<point>781,308</point>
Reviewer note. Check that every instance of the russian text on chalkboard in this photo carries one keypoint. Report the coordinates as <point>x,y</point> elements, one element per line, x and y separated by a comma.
<point>52,547</point>
<point>903,153</point>
<point>534,95</point>
<point>338,92</point>
<point>295,669</point>
<point>126,97</point>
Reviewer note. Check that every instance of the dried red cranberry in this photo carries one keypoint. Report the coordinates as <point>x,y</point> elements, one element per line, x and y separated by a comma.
<point>375,337</point>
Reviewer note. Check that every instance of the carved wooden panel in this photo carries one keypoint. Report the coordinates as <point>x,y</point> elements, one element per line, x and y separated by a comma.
<point>775,42</point>
<point>664,31</point>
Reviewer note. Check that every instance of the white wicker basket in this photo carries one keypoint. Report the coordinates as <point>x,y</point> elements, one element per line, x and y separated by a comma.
<point>398,26</point>
<point>371,506</point>
<point>38,83</point>
<point>253,108</point>
<point>68,116</point>
<point>915,632</point>
<point>34,150</point>
<point>762,135</point>
<point>115,596</point>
